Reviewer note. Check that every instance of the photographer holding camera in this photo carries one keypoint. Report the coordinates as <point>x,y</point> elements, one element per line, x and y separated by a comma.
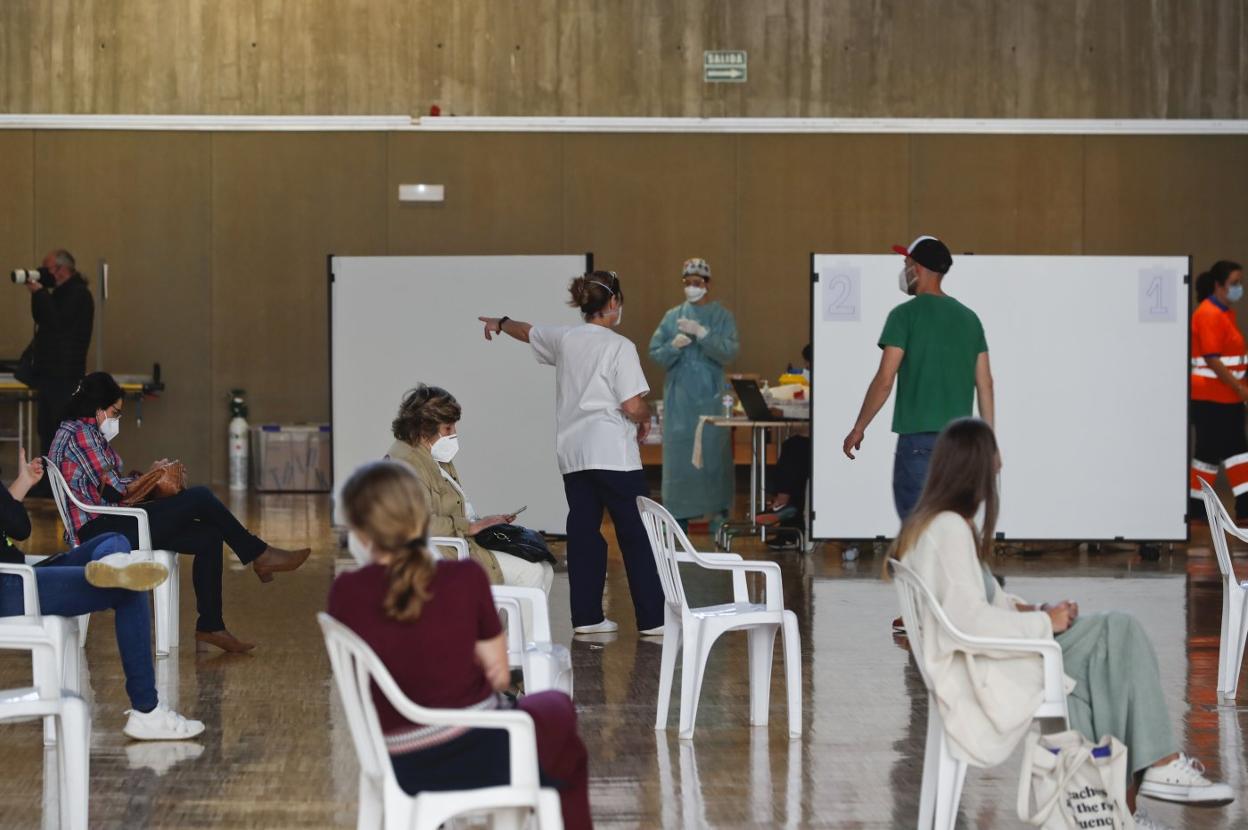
<point>64,313</point>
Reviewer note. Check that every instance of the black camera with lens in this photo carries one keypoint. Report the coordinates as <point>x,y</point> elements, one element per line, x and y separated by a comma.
<point>43,276</point>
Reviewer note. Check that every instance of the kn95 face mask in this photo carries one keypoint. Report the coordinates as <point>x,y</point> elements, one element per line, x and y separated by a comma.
<point>360,552</point>
<point>445,449</point>
<point>907,281</point>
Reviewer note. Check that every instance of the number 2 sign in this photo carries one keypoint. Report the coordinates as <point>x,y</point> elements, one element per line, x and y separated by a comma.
<point>842,294</point>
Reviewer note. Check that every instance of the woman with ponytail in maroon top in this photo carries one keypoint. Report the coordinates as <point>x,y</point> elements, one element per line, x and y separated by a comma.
<point>434,626</point>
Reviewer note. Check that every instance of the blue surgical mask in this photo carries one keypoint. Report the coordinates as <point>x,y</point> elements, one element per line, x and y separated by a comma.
<point>1235,293</point>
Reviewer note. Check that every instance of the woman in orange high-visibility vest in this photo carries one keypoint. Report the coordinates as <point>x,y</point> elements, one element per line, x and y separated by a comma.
<point>1218,389</point>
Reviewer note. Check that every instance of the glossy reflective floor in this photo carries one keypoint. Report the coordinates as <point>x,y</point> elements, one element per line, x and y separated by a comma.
<point>276,752</point>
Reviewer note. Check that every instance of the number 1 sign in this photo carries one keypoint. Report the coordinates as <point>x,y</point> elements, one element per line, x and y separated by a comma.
<point>1158,295</point>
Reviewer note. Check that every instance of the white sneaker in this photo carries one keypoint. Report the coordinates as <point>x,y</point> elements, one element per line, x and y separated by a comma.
<point>604,627</point>
<point>657,631</point>
<point>161,724</point>
<point>1183,780</point>
<point>1143,821</point>
<point>132,571</point>
<point>162,756</point>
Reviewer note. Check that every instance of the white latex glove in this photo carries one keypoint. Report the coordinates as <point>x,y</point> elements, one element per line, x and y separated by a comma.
<point>680,341</point>
<point>692,328</point>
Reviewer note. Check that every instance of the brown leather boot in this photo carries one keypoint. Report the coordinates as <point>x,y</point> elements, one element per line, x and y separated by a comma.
<point>223,640</point>
<point>276,559</point>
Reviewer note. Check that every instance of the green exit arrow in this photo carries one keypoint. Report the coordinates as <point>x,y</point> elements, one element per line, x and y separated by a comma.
<point>724,73</point>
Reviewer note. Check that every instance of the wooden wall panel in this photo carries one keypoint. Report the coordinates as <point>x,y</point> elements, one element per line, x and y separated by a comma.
<point>141,202</point>
<point>17,249</point>
<point>1150,195</point>
<point>998,194</point>
<point>646,203</point>
<point>1167,195</point>
<point>503,193</point>
<point>281,203</point>
<point>970,58</point>
<point>218,242</point>
<point>800,195</point>
<point>17,237</point>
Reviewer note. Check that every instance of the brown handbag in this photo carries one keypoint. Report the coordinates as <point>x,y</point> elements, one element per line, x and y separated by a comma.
<point>157,483</point>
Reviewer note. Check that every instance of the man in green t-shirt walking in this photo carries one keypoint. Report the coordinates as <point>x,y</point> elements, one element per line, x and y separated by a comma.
<point>935,348</point>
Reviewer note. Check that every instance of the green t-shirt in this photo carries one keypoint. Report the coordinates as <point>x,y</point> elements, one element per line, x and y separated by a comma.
<point>942,340</point>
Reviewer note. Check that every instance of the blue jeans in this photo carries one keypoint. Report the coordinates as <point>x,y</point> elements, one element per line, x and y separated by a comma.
<point>914,453</point>
<point>193,522</point>
<point>65,592</point>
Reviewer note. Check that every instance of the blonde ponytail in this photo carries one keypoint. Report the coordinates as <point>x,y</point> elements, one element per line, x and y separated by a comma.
<point>411,570</point>
<point>383,501</point>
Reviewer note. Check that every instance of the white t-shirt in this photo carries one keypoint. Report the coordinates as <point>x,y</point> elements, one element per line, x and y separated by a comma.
<point>596,370</point>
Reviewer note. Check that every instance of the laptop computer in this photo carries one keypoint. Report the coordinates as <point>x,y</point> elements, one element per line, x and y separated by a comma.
<point>753,402</point>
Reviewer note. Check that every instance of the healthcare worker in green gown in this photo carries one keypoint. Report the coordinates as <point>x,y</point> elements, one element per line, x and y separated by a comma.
<point>694,343</point>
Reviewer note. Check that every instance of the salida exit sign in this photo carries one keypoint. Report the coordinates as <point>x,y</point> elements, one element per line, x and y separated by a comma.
<point>724,66</point>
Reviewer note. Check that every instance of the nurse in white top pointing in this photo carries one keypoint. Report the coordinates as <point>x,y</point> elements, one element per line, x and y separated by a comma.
<point>600,417</point>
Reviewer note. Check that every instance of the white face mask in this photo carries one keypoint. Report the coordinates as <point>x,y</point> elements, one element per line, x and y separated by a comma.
<point>110,428</point>
<point>360,552</point>
<point>619,317</point>
<point>905,282</point>
<point>694,293</point>
<point>445,448</point>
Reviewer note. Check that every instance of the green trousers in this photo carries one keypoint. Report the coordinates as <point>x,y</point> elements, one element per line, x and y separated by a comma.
<point>1119,686</point>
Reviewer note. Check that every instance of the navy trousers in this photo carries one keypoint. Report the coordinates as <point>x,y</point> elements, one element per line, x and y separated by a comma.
<point>589,492</point>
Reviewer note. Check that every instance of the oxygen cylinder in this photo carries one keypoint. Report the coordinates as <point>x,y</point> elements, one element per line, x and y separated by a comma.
<point>238,440</point>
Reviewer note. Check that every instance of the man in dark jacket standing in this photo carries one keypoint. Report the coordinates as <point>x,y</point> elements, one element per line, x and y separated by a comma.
<point>64,314</point>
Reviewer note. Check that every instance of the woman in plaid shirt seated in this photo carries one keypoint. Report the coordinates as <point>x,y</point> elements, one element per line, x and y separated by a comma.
<point>193,522</point>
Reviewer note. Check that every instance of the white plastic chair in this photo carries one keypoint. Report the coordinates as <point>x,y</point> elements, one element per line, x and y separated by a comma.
<point>166,596</point>
<point>1234,595</point>
<point>72,722</point>
<point>383,803</point>
<point>943,775</point>
<point>56,660</point>
<point>544,663</point>
<point>83,620</point>
<point>697,629</point>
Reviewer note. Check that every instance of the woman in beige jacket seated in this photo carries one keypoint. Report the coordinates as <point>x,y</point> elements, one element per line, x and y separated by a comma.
<point>425,438</point>
<point>1113,683</point>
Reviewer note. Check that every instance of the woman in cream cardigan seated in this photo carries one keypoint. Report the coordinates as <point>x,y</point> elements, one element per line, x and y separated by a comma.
<point>425,438</point>
<point>1114,685</point>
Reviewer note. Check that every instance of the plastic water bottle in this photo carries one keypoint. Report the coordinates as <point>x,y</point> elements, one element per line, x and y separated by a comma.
<point>238,440</point>
<point>727,402</point>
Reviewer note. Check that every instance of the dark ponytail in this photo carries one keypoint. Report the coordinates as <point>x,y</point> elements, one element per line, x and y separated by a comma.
<point>1217,274</point>
<point>592,291</point>
<point>96,391</point>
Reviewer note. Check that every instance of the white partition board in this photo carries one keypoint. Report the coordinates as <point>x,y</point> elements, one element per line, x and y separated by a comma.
<point>1090,358</point>
<point>399,321</point>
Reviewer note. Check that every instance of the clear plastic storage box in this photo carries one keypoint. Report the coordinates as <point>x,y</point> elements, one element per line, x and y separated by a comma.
<point>291,458</point>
